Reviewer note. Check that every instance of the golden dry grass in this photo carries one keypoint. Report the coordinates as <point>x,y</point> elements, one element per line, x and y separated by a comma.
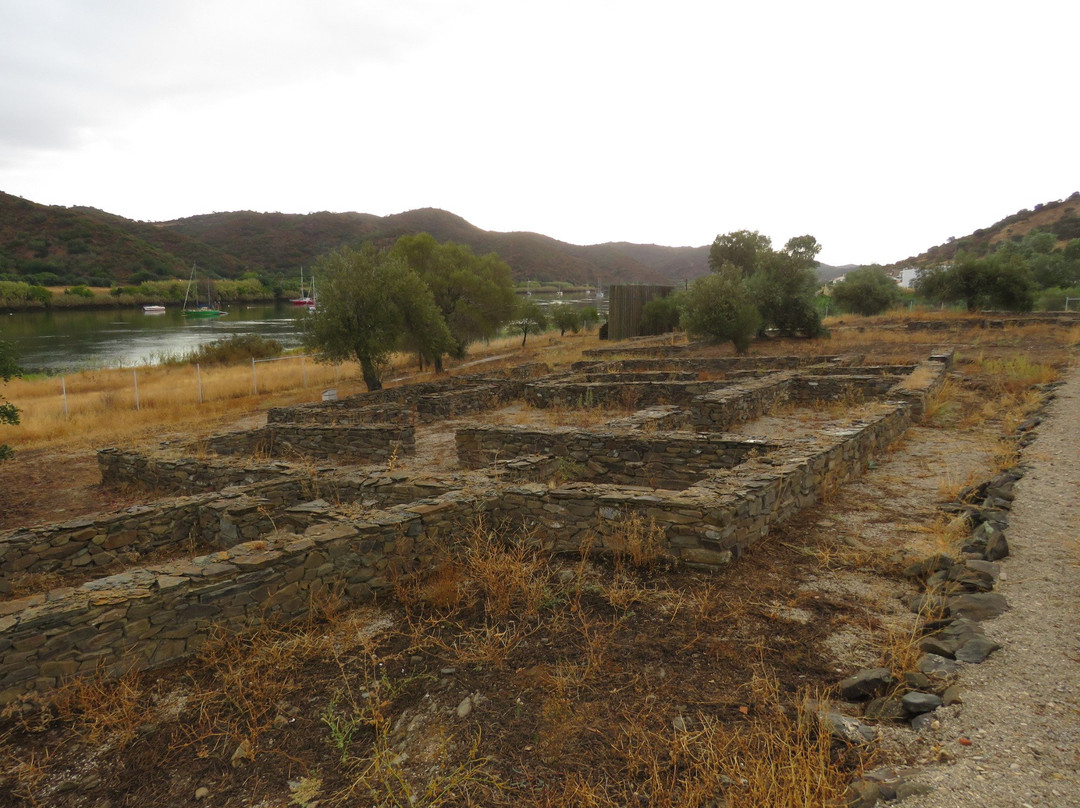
<point>101,404</point>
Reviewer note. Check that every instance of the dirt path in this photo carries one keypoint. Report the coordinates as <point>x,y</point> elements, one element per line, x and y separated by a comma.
<point>1021,708</point>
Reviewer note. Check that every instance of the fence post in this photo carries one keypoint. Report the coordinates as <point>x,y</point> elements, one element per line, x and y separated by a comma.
<point>254,384</point>
<point>198,379</point>
<point>135,376</point>
<point>63,392</point>
<point>303,372</point>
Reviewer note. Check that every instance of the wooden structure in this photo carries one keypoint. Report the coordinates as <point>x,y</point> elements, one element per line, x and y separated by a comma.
<point>625,305</point>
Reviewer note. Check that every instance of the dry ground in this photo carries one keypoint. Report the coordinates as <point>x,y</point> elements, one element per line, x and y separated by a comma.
<point>513,678</point>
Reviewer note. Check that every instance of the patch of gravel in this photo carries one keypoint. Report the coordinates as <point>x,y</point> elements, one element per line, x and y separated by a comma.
<point>1021,707</point>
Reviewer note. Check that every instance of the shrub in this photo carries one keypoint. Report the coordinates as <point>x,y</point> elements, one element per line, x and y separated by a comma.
<point>239,348</point>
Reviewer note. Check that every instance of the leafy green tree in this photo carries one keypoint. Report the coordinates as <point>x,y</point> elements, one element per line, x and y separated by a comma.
<point>1002,279</point>
<point>370,304</point>
<point>589,317</point>
<point>661,315</point>
<point>866,291</point>
<point>784,286</point>
<point>1011,285</point>
<point>743,249</point>
<point>475,294</point>
<point>9,369</point>
<point>719,308</point>
<point>565,317</point>
<point>529,319</point>
<point>966,280</point>
<point>783,282</point>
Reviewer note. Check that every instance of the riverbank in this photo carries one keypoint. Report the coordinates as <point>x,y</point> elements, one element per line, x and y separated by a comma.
<point>25,297</point>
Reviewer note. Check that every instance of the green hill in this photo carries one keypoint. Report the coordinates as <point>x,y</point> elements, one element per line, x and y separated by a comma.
<point>1062,218</point>
<point>53,245</point>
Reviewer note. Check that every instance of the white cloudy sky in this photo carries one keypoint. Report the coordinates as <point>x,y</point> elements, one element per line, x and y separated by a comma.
<point>881,128</point>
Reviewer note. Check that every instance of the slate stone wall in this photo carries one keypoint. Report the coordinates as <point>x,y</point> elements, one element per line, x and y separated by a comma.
<point>657,459</point>
<point>347,443</point>
<point>153,615</point>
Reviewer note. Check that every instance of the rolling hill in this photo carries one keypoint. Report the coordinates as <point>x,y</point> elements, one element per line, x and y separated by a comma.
<point>52,245</point>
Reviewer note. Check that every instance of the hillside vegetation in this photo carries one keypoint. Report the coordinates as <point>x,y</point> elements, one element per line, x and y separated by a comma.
<point>1061,218</point>
<point>48,245</point>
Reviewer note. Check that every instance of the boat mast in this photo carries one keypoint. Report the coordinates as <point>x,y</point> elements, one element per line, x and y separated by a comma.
<point>188,290</point>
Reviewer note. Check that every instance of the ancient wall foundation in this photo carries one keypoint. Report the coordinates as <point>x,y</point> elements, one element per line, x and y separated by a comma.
<point>274,535</point>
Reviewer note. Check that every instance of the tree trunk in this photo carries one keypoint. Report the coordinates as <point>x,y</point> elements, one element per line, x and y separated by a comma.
<point>371,376</point>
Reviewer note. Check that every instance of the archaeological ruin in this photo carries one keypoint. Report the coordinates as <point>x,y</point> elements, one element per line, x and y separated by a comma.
<point>342,498</point>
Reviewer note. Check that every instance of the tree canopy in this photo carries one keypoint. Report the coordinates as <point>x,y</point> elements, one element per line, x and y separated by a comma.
<point>370,304</point>
<point>475,294</point>
<point>529,318</point>
<point>1000,280</point>
<point>866,291</point>
<point>1009,277</point>
<point>718,308</point>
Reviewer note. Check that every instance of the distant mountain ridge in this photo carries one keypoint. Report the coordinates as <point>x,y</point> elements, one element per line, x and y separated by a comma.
<point>56,245</point>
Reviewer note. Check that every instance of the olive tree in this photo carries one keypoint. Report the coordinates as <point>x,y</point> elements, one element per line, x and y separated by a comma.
<point>371,304</point>
<point>475,294</point>
<point>866,291</point>
<point>782,283</point>
<point>718,308</point>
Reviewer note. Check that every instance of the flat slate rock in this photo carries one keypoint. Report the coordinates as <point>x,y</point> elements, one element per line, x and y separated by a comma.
<point>977,605</point>
<point>916,703</point>
<point>976,649</point>
<point>934,665</point>
<point>866,684</point>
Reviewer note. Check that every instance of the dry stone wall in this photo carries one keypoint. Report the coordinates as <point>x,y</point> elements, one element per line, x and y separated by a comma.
<point>714,521</point>
<point>613,393</point>
<point>350,443</point>
<point>147,617</point>
<point>285,541</point>
<point>659,459</point>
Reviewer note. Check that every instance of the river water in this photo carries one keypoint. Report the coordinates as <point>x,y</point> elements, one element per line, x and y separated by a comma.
<point>62,341</point>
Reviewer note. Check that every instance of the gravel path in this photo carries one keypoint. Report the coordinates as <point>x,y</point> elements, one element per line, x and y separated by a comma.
<point>1021,708</point>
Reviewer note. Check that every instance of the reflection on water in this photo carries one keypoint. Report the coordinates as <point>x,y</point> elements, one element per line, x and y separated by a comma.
<point>62,341</point>
<point>57,341</point>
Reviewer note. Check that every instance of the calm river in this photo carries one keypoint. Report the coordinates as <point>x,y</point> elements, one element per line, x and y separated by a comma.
<point>64,341</point>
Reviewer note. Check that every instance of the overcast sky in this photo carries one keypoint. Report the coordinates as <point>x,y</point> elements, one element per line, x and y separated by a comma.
<point>880,128</point>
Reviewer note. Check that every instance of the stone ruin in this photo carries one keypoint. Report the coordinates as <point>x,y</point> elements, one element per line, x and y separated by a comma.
<point>338,499</point>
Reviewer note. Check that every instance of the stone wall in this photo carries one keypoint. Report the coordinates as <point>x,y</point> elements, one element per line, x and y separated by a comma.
<point>400,405</point>
<point>719,410</point>
<point>714,521</point>
<point>153,615</point>
<point>346,443</point>
<point>840,388</point>
<point>628,394</point>
<point>718,365</point>
<point>182,474</point>
<point>659,459</point>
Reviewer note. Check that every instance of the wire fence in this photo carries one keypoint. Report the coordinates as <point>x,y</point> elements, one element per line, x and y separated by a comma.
<point>170,386</point>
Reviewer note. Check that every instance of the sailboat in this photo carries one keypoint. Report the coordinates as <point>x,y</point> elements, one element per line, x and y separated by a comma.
<point>199,311</point>
<point>303,300</point>
<point>314,298</point>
